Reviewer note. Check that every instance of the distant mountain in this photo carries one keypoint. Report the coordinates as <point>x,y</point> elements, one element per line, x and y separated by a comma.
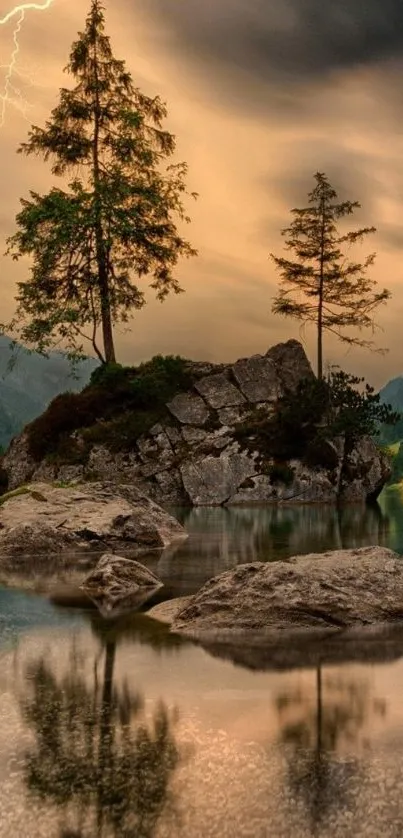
<point>392,435</point>
<point>33,381</point>
<point>392,393</point>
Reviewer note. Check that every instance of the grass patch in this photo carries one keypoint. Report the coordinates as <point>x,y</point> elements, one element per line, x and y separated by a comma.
<point>22,490</point>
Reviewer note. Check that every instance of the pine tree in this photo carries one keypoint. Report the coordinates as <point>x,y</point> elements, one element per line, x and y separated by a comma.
<point>323,286</point>
<point>115,223</point>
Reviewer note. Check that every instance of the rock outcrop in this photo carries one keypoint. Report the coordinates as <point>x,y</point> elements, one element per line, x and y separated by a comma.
<point>46,519</point>
<point>118,585</point>
<point>326,592</point>
<point>195,454</point>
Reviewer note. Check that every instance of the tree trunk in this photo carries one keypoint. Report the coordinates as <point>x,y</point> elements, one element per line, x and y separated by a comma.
<point>320,329</point>
<point>319,709</point>
<point>320,294</point>
<point>107,331</point>
<point>105,735</point>
<point>103,279</point>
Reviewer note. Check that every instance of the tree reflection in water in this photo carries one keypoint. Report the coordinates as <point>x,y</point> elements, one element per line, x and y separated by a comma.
<point>221,538</point>
<point>97,756</point>
<point>312,733</point>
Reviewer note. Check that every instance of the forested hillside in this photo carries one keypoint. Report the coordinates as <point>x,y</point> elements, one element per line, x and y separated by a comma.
<point>32,381</point>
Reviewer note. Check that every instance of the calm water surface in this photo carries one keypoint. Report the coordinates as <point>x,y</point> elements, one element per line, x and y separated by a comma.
<point>123,729</point>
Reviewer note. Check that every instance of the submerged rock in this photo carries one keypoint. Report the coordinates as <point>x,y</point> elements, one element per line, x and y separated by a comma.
<point>118,585</point>
<point>166,611</point>
<point>44,518</point>
<point>332,591</point>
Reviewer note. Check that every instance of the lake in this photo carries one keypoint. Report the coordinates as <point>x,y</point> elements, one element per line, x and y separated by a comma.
<point>121,729</point>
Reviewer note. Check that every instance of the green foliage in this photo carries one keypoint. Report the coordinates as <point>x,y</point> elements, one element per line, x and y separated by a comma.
<point>397,466</point>
<point>322,285</point>
<point>121,432</point>
<point>320,452</point>
<point>281,473</point>
<point>391,434</point>
<point>353,411</point>
<point>65,414</point>
<point>116,222</point>
<point>108,375</point>
<point>159,380</point>
<point>119,405</point>
<point>316,412</point>
<point>275,437</point>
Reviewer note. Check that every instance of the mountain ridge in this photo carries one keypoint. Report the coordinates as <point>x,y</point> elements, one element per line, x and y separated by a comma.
<point>29,381</point>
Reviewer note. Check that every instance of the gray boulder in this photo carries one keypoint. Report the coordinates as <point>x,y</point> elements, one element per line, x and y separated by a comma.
<point>365,471</point>
<point>212,480</point>
<point>45,518</point>
<point>118,585</point>
<point>189,409</point>
<point>290,362</point>
<point>332,591</point>
<point>218,391</point>
<point>257,378</point>
<point>18,462</point>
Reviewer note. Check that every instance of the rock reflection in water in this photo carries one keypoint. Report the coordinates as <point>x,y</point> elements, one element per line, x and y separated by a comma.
<point>220,538</point>
<point>97,757</point>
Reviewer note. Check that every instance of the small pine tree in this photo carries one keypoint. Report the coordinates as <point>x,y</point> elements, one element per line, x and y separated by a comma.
<point>117,221</point>
<point>322,285</point>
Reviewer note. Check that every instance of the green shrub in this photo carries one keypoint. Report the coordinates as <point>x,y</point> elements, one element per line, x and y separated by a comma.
<point>65,414</point>
<point>159,380</point>
<point>320,453</point>
<point>123,401</point>
<point>281,473</point>
<point>280,436</point>
<point>108,375</point>
<point>315,412</point>
<point>122,432</point>
<point>355,410</point>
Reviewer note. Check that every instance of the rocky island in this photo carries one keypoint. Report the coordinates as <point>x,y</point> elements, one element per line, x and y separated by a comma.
<point>195,433</point>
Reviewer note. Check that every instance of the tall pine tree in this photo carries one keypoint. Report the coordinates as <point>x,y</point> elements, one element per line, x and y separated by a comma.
<point>322,285</point>
<point>116,222</point>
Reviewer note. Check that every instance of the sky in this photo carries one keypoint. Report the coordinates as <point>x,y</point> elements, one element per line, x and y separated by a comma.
<point>260,96</point>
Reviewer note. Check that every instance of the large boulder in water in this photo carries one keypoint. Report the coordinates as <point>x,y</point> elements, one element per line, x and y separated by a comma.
<point>333,590</point>
<point>45,519</point>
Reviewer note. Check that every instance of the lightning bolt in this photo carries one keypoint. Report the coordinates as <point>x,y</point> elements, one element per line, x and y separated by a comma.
<point>11,94</point>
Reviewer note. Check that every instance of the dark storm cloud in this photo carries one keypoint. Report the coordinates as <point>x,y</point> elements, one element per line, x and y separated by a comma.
<point>351,174</point>
<point>285,38</point>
